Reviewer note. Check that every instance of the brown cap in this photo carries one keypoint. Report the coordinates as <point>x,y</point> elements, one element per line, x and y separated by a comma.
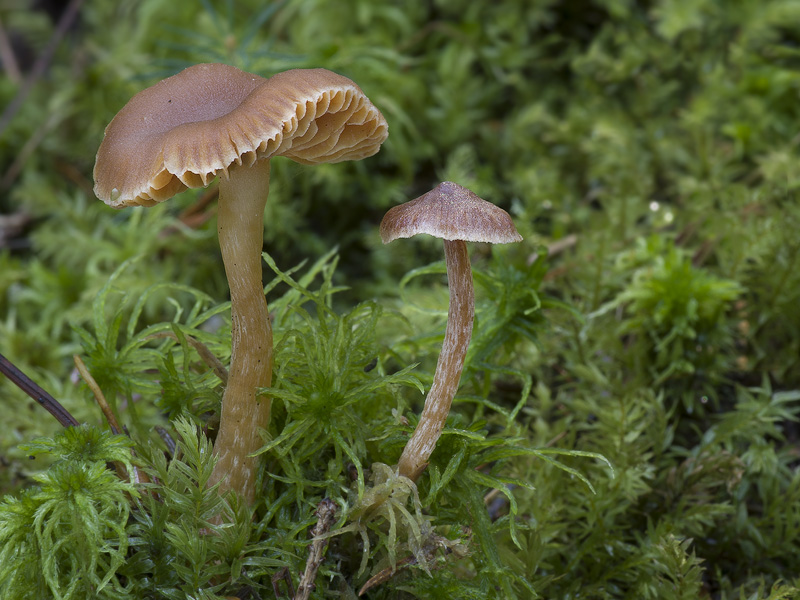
<point>450,212</point>
<point>190,127</point>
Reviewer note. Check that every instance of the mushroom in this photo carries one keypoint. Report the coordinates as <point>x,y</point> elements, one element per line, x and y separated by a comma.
<point>456,215</point>
<point>214,120</point>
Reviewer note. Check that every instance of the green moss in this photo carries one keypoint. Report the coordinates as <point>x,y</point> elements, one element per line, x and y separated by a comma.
<point>647,153</point>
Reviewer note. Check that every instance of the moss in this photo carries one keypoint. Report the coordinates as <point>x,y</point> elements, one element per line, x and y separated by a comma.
<point>648,154</point>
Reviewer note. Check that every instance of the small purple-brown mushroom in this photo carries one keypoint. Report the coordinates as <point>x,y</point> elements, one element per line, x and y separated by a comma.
<point>458,216</point>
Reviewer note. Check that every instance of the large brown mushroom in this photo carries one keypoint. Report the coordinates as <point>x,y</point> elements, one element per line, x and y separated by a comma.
<point>456,215</point>
<point>213,120</point>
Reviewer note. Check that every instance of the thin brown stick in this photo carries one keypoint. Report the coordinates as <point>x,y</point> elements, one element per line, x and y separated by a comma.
<point>556,247</point>
<point>98,394</point>
<point>195,215</point>
<point>201,204</point>
<point>8,58</point>
<point>282,576</point>
<point>386,574</point>
<point>29,148</point>
<point>326,513</point>
<point>428,553</point>
<point>169,442</point>
<point>12,226</point>
<point>67,18</point>
<point>139,476</point>
<point>27,385</point>
<point>112,420</point>
<point>202,350</point>
<point>75,176</point>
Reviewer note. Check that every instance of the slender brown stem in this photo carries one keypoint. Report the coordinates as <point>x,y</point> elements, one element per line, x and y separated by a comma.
<point>240,225</point>
<point>326,516</point>
<point>208,357</point>
<point>41,64</point>
<point>27,385</point>
<point>8,59</point>
<point>139,476</point>
<point>99,396</point>
<point>457,336</point>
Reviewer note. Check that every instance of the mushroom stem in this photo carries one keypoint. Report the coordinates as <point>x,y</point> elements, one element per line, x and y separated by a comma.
<point>457,336</point>
<point>240,225</point>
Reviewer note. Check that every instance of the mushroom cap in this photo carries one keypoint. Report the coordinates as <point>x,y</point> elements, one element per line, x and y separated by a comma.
<point>451,212</point>
<point>188,128</point>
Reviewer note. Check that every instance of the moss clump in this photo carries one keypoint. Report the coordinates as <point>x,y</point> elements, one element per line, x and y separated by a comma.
<point>647,153</point>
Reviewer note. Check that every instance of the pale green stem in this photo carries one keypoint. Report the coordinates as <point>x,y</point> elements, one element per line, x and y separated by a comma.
<point>457,336</point>
<point>240,225</point>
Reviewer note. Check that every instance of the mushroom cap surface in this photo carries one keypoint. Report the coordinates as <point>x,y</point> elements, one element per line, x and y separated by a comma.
<point>188,128</point>
<point>451,212</point>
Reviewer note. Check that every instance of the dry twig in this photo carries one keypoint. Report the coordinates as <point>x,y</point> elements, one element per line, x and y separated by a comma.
<point>429,551</point>
<point>282,576</point>
<point>98,394</point>
<point>8,59</point>
<point>326,514</point>
<point>169,442</point>
<point>27,385</point>
<point>67,18</point>
<point>139,476</point>
<point>202,350</point>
